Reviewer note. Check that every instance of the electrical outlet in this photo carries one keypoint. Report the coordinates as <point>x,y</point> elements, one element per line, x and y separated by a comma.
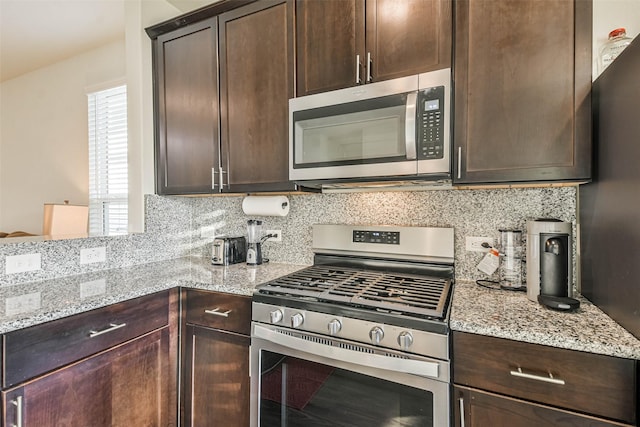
<point>277,233</point>
<point>208,232</point>
<point>23,263</point>
<point>91,255</point>
<point>93,288</point>
<point>22,304</point>
<point>474,244</point>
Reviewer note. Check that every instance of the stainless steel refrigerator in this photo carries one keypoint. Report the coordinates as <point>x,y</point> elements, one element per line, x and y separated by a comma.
<point>609,207</point>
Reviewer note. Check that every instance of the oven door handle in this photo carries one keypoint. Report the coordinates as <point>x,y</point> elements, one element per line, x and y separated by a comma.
<point>421,368</point>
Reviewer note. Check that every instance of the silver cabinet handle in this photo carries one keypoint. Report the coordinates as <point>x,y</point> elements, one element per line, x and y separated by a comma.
<point>213,178</point>
<point>459,161</point>
<point>548,379</point>
<point>112,327</point>
<point>369,76</point>
<point>222,172</point>
<point>18,404</point>
<point>358,81</point>
<point>461,402</point>
<point>216,312</point>
<point>410,125</point>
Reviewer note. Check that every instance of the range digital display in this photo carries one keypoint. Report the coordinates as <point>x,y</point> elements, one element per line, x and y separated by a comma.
<point>384,237</point>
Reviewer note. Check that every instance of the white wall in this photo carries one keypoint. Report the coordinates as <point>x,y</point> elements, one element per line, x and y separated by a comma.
<point>43,135</point>
<point>609,15</point>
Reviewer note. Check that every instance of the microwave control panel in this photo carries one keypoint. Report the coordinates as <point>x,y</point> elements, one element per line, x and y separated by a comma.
<point>431,123</point>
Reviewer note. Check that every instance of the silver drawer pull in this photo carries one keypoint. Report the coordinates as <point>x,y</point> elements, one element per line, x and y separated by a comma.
<point>112,327</point>
<point>548,379</point>
<point>18,404</point>
<point>216,312</point>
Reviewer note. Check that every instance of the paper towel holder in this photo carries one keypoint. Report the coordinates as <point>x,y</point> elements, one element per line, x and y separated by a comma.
<point>266,205</point>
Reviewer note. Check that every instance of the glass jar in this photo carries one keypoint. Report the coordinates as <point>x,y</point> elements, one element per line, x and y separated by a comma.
<point>511,259</point>
<point>618,40</point>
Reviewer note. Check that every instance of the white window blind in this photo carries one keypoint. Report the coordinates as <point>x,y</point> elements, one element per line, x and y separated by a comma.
<point>108,176</point>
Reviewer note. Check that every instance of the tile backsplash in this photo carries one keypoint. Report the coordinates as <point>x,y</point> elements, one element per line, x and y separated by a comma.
<point>173,225</point>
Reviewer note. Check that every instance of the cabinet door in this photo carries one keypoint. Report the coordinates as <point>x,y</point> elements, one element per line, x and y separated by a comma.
<point>522,92</point>
<point>125,386</point>
<point>329,36</point>
<point>256,82</point>
<point>187,117</point>
<point>406,37</point>
<point>474,408</point>
<point>217,378</point>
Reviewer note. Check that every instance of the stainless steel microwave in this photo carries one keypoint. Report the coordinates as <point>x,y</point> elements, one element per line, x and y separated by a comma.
<point>394,130</point>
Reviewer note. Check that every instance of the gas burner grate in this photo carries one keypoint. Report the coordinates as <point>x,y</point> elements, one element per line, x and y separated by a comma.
<point>399,292</point>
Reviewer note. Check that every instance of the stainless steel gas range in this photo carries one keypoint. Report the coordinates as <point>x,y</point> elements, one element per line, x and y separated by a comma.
<point>361,337</point>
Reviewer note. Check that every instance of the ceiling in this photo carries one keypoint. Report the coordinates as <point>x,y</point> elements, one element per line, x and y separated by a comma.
<point>37,33</point>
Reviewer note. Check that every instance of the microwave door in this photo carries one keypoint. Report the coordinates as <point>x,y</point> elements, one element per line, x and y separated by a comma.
<point>367,138</point>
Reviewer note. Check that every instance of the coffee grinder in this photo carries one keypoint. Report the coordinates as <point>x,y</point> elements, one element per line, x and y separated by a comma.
<point>549,266</point>
<point>254,242</point>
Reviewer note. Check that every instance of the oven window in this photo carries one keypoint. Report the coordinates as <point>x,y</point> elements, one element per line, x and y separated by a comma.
<point>299,393</point>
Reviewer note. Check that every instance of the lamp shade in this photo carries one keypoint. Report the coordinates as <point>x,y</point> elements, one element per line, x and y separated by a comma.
<point>65,219</point>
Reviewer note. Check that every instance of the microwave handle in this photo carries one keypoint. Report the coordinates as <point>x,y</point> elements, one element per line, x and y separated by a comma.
<point>410,125</point>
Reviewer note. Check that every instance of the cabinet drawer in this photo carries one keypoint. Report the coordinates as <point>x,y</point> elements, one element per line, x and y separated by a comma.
<point>33,351</point>
<point>217,310</point>
<point>586,382</point>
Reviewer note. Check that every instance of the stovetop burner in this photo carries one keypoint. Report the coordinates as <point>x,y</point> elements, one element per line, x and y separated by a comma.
<point>398,292</point>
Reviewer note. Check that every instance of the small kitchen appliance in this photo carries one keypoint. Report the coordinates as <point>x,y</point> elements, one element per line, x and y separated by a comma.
<point>229,250</point>
<point>254,242</point>
<point>367,322</point>
<point>549,266</point>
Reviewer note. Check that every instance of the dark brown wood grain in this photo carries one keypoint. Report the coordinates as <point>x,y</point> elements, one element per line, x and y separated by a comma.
<point>256,82</point>
<point>217,377</point>
<point>408,37</point>
<point>125,386</point>
<point>33,351</point>
<point>594,384</point>
<point>186,108</point>
<point>239,317</point>
<point>329,35</point>
<point>522,90</point>
<point>483,409</point>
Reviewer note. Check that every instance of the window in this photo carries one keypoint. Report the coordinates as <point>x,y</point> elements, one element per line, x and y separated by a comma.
<point>108,177</point>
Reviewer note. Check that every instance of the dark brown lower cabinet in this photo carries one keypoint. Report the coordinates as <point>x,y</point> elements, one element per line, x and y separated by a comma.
<point>127,385</point>
<point>475,408</point>
<point>217,378</point>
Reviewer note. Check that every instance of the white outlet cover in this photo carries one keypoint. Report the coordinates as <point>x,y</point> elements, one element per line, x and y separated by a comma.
<point>93,288</point>
<point>274,239</point>
<point>208,231</point>
<point>22,304</point>
<point>92,255</point>
<point>22,263</point>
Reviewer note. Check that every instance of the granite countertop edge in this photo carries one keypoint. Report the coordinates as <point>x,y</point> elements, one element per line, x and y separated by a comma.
<point>501,314</point>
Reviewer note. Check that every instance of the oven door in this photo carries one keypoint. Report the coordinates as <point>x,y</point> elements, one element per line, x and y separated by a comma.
<point>300,379</point>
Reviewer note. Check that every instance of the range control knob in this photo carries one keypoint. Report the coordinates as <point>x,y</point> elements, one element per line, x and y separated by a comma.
<point>296,320</point>
<point>334,327</point>
<point>405,339</point>
<point>276,316</point>
<point>376,334</point>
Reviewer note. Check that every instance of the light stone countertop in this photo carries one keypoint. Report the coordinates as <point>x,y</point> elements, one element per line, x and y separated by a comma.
<point>29,304</point>
<point>503,314</point>
<point>509,314</point>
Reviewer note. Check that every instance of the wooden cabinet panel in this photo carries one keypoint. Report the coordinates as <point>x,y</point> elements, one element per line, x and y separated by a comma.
<point>329,35</point>
<point>187,117</point>
<point>256,82</point>
<point>480,409</point>
<point>390,38</point>
<point>522,92</point>
<point>33,351</point>
<point>407,37</point>
<point>593,383</point>
<point>230,312</point>
<point>217,378</point>
<point>124,386</point>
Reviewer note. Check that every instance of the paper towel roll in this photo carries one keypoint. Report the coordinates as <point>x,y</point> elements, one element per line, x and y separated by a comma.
<point>265,205</point>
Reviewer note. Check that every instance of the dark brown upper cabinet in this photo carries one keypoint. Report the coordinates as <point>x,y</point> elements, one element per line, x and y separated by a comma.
<point>345,43</point>
<point>187,132</point>
<point>522,91</point>
<point>222,85</point>
<point>256,82</point>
